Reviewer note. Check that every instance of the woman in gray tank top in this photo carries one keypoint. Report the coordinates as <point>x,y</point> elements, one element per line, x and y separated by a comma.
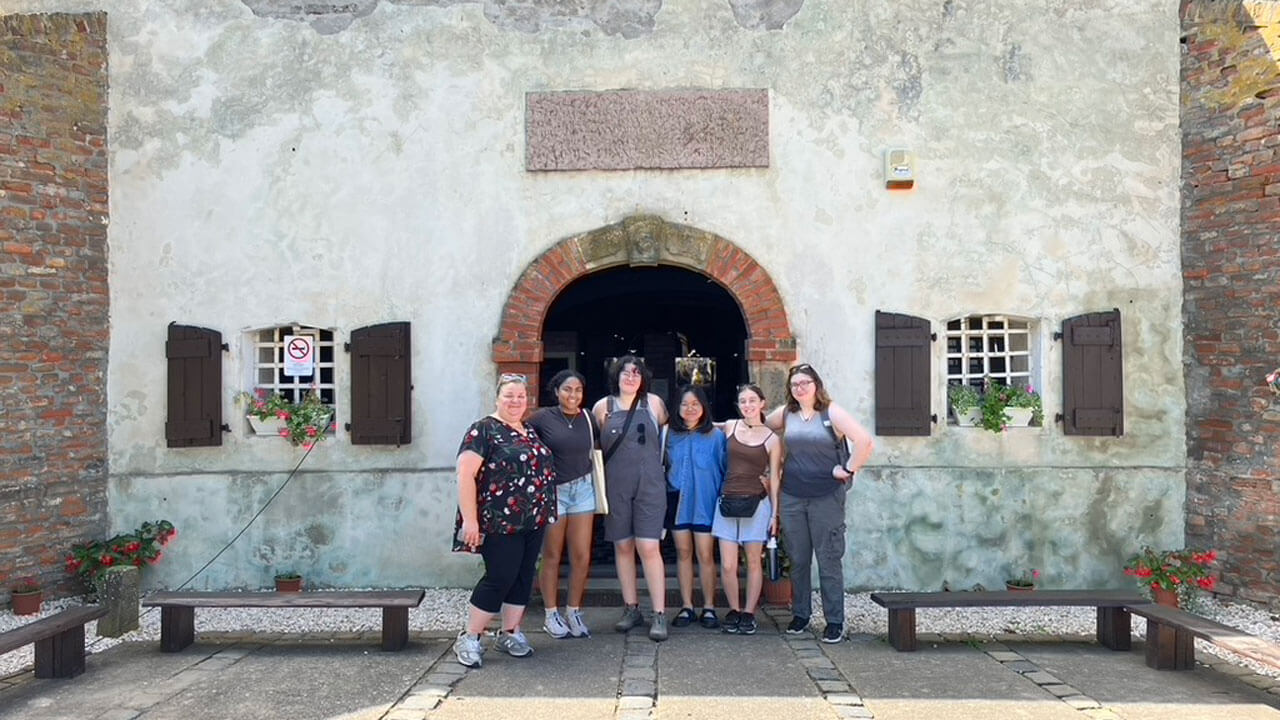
<point>630,421</point>
<point>814,483</point>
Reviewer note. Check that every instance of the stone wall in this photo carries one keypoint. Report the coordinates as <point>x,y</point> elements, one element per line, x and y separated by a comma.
<point>53,282</point>
<point>1231,271</point>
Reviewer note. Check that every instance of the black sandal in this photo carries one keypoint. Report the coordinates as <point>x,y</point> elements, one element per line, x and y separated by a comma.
<point>684,617</point>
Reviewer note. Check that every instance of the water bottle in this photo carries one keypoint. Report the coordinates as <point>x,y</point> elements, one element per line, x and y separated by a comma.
<point>771,558</point>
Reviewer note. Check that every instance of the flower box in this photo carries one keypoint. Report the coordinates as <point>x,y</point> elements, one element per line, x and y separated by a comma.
<point>968,418</point>
<point>267,426</point>
<point>1018,416</point>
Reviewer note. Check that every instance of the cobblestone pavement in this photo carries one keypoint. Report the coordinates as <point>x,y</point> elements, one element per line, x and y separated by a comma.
<point>698,673</point>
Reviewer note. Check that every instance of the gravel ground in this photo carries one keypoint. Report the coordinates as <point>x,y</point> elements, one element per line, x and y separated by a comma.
<point>445,610</point>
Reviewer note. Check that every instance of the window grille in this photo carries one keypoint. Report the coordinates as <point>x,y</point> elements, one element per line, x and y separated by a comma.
<point>268,366</point>
<point>995,346</point>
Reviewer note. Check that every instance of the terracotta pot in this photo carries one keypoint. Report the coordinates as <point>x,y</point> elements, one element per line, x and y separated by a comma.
<point>777,592</point>
<point>1018,588</point>
<point>288,584</point>
<point>1165,597</point>
<point>27,603</point>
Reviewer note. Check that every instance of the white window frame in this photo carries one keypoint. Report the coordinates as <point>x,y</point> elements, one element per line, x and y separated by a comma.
<point>265,363</point>
<point>1007,350</point>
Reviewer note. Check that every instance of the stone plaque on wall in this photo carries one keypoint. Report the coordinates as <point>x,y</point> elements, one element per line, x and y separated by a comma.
<point>646,129</point>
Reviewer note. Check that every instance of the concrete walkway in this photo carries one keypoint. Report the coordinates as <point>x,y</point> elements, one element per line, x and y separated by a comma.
<point>698,673</point>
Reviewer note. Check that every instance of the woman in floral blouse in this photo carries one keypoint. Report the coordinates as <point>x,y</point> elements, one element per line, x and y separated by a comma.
<point>506,497</point>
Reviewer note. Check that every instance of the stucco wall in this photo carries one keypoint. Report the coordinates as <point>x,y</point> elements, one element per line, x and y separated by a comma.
<point>263,172</point>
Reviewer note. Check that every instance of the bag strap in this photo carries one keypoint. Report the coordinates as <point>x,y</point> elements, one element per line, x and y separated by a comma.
<point>631,413</point>
<point>843,453</point>
<point>591,428</point>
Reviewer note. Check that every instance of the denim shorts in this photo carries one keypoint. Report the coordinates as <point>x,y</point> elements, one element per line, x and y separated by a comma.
<point>576,497</point>
<point>754,529</point>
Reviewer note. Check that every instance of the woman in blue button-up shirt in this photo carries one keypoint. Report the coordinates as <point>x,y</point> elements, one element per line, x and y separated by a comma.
<point>697,454</point>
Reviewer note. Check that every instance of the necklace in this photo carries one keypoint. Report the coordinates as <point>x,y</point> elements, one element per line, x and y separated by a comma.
<point>808,417</point>
<point>567,420</point>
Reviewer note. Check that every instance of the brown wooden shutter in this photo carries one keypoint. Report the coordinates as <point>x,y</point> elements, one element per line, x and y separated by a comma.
<point>380,402</point>
<point>902,375</point>
<point>1092,375</point>
<point>195,387</point>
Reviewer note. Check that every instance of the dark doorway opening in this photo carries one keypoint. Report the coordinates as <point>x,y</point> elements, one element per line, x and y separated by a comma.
<point>676,319</point>
<point>658,313</point>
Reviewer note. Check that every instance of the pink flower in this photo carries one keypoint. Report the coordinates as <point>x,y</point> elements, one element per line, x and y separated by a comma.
<point>282,414</point>
<point>311,431</point>
<point>1035,573</point>
<point>284,432</point>
<point>308,446</point>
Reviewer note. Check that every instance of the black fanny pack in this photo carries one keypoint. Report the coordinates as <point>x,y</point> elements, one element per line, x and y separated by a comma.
<point>739,506</point>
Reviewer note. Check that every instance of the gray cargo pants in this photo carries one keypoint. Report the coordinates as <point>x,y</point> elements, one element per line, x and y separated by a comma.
<point>815,526</point>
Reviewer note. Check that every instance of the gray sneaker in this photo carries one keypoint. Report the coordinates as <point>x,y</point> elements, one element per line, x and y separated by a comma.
<point>515,643</point>
<point>468,650</point>
<point>555,625</point>
<point>578,626</point>
<point>631,618</point>
<point>658,628</point>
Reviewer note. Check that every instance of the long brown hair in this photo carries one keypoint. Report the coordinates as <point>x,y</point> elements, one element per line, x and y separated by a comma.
<point>821,400</point>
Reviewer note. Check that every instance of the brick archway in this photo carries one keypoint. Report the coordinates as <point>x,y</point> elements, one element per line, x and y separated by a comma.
<point>647,240</point>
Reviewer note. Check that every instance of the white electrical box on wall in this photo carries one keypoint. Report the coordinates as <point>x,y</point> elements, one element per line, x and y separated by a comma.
<point>899,168</point>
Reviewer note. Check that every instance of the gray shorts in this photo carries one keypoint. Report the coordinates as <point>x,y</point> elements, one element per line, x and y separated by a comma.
<point>637,514</point>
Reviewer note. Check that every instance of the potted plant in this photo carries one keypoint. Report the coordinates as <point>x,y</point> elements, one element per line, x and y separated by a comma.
<point>1025,580</point>
<point>1000,403</point>
<point>26,596</point>
<point>301,423</point>
<point>964,401</point>
<point>288,581</point>
<point>1172,576</point>
<point>138,548</point>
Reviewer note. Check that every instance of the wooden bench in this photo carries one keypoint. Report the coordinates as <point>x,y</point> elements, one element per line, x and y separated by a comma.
<point>177,610</point>
<point>1171,637</point>
<point>1113,615</point>
<point>59,641</point>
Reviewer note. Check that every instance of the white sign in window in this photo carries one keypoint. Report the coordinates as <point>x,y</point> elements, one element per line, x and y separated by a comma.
<point>299,356</point>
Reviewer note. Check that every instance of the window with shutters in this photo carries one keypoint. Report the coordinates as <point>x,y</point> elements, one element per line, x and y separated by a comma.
<point>268,366</point>
<point>1000,347</point>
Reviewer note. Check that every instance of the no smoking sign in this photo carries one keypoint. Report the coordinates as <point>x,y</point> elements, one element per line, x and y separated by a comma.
<point>299,355</point>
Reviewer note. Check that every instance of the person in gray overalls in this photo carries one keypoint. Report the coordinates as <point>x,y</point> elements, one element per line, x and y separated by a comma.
<point>630,421</point>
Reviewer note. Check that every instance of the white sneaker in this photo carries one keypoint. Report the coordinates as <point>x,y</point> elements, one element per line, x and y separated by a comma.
<point>578,626</point>
<point>514,643</point>
<point>468,650</point>
<point>555,625</point>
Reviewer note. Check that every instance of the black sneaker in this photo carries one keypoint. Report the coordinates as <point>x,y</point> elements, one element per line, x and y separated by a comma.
<point>834,633</point>
<point>683,618</point>
<point>747,624</point>
<point>709,619</point>
<point>730,624</point>
<point>798,625</point>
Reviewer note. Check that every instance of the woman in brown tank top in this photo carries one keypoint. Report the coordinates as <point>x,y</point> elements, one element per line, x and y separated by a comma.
<point>755,460</point>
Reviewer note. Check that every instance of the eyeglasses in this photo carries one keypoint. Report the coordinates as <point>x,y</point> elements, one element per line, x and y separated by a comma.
<point>640,432</point>
<point>797,384</point>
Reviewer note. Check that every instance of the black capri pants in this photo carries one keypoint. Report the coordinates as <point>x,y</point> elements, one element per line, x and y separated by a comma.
<point>509,564</point>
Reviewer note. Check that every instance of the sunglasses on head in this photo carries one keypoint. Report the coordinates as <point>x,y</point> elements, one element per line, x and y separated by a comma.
<point>806,368</point>
<point>505,378</point>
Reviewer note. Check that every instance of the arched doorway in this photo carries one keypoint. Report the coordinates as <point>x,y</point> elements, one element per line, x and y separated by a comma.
<point>646,241</point>
<point>686,327</point>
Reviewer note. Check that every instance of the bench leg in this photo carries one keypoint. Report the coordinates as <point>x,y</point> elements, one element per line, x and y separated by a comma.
<point>1114,628</point>
<point>1169,648</point>
<point>177,628</point>
<point>902,629</point>
<point>62,655</point>
<point>395,628</point>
